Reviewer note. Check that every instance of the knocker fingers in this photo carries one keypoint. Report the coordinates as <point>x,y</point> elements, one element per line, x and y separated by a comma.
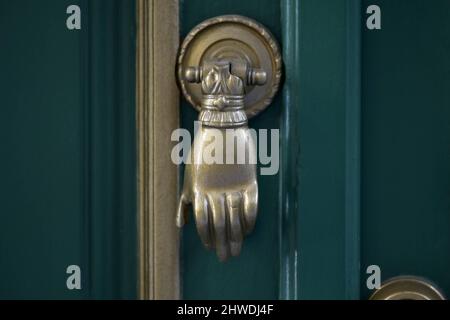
<point>203,219</point>
<point>222,220</point>
<point>250,206</point>
<point>217,203</point>
<point>182,210</point>
<point>234,209</point>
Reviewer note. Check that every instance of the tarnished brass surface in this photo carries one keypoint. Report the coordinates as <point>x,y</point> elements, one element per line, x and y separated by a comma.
<point>407,288</point>
<point>229,69</point>
<point>233,38</point>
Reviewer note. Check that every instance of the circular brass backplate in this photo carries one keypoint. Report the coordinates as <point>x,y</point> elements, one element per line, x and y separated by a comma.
<point>407,288</point>
<point>232,37</point>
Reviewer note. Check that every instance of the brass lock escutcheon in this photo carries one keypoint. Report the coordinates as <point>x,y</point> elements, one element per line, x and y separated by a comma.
<point>229,69</point>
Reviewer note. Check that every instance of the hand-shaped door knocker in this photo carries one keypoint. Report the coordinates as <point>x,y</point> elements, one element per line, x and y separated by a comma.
<point>229,68</point>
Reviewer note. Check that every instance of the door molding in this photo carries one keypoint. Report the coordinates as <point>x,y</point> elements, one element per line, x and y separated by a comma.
<point>157,99</point>
<point>321,120</point>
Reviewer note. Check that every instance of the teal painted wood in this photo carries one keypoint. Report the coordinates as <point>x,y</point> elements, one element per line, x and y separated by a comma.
<point>254,274</point>
<point>406,139</point>
<point>40,167</point>
<point>353,151</point>
<point>110,148</point>
<point>289,195</point>
<point>319,182</point>
<point>68,167</point>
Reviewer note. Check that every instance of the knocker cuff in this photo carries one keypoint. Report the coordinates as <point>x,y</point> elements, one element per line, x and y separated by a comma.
<point>222,119</point>
<point>223,111</point>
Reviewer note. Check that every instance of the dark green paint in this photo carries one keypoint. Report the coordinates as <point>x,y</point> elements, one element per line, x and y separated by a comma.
<point>41,168</point>
<point>255,273</point>
<point>110,149</point>
<point>405,130</point>
<point>320,151</point>
<point>406,142</point>
<point>67,126</point>
<point>353,150</point>
<point>289,194</point>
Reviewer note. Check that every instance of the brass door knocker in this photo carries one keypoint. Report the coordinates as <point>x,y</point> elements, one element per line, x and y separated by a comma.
<point>229,69</point>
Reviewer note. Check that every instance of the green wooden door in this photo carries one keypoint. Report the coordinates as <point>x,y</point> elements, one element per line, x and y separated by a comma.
<point>406,142</point>
<point>67,164</point>
<point>364,178</point>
